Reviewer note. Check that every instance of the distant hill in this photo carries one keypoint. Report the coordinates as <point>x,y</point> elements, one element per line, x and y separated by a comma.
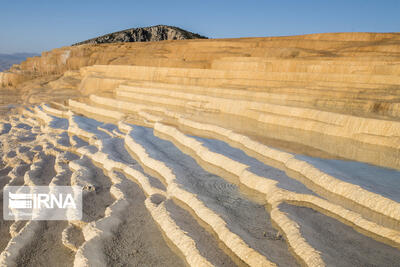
<point>7,60</point>
<point>146,34</point>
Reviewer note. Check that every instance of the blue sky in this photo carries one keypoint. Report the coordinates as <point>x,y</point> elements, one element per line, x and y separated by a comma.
<point>38,25</point>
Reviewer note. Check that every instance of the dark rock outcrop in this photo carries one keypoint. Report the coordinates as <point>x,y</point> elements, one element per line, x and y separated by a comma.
<point>146,34</point>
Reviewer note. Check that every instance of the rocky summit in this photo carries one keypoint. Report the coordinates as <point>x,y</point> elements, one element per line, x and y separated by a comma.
<point>146,34</point>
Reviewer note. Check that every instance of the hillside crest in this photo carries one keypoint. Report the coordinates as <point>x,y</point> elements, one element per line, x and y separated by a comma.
<point>145,34</point>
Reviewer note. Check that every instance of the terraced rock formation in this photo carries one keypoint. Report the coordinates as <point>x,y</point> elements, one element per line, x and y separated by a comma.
<point>249,152</point>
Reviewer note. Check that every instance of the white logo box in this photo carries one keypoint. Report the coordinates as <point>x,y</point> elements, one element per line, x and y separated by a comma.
<point>42,203</point>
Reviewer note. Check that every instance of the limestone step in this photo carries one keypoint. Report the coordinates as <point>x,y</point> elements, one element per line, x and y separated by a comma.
<point>309,66</point>
<point>144,148</point>
<point>231,77</point>
<point>370,144</point>
<point>220,157</point>
<point>96,81</point>
<point>240,107</point>
<point>354,103</point>
<point>284,89</point>
<point>146,135</point>
<point>358,220</point>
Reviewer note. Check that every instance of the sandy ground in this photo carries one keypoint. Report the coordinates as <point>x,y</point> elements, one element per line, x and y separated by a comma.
<point>46,249</point>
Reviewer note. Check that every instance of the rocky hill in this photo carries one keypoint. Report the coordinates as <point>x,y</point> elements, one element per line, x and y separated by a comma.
<point>146,34</point>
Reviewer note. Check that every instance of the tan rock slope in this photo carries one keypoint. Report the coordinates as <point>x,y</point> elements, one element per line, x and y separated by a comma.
<point>250,152</point>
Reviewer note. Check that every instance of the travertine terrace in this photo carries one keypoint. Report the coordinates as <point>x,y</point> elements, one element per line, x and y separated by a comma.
<point>280,151</point>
